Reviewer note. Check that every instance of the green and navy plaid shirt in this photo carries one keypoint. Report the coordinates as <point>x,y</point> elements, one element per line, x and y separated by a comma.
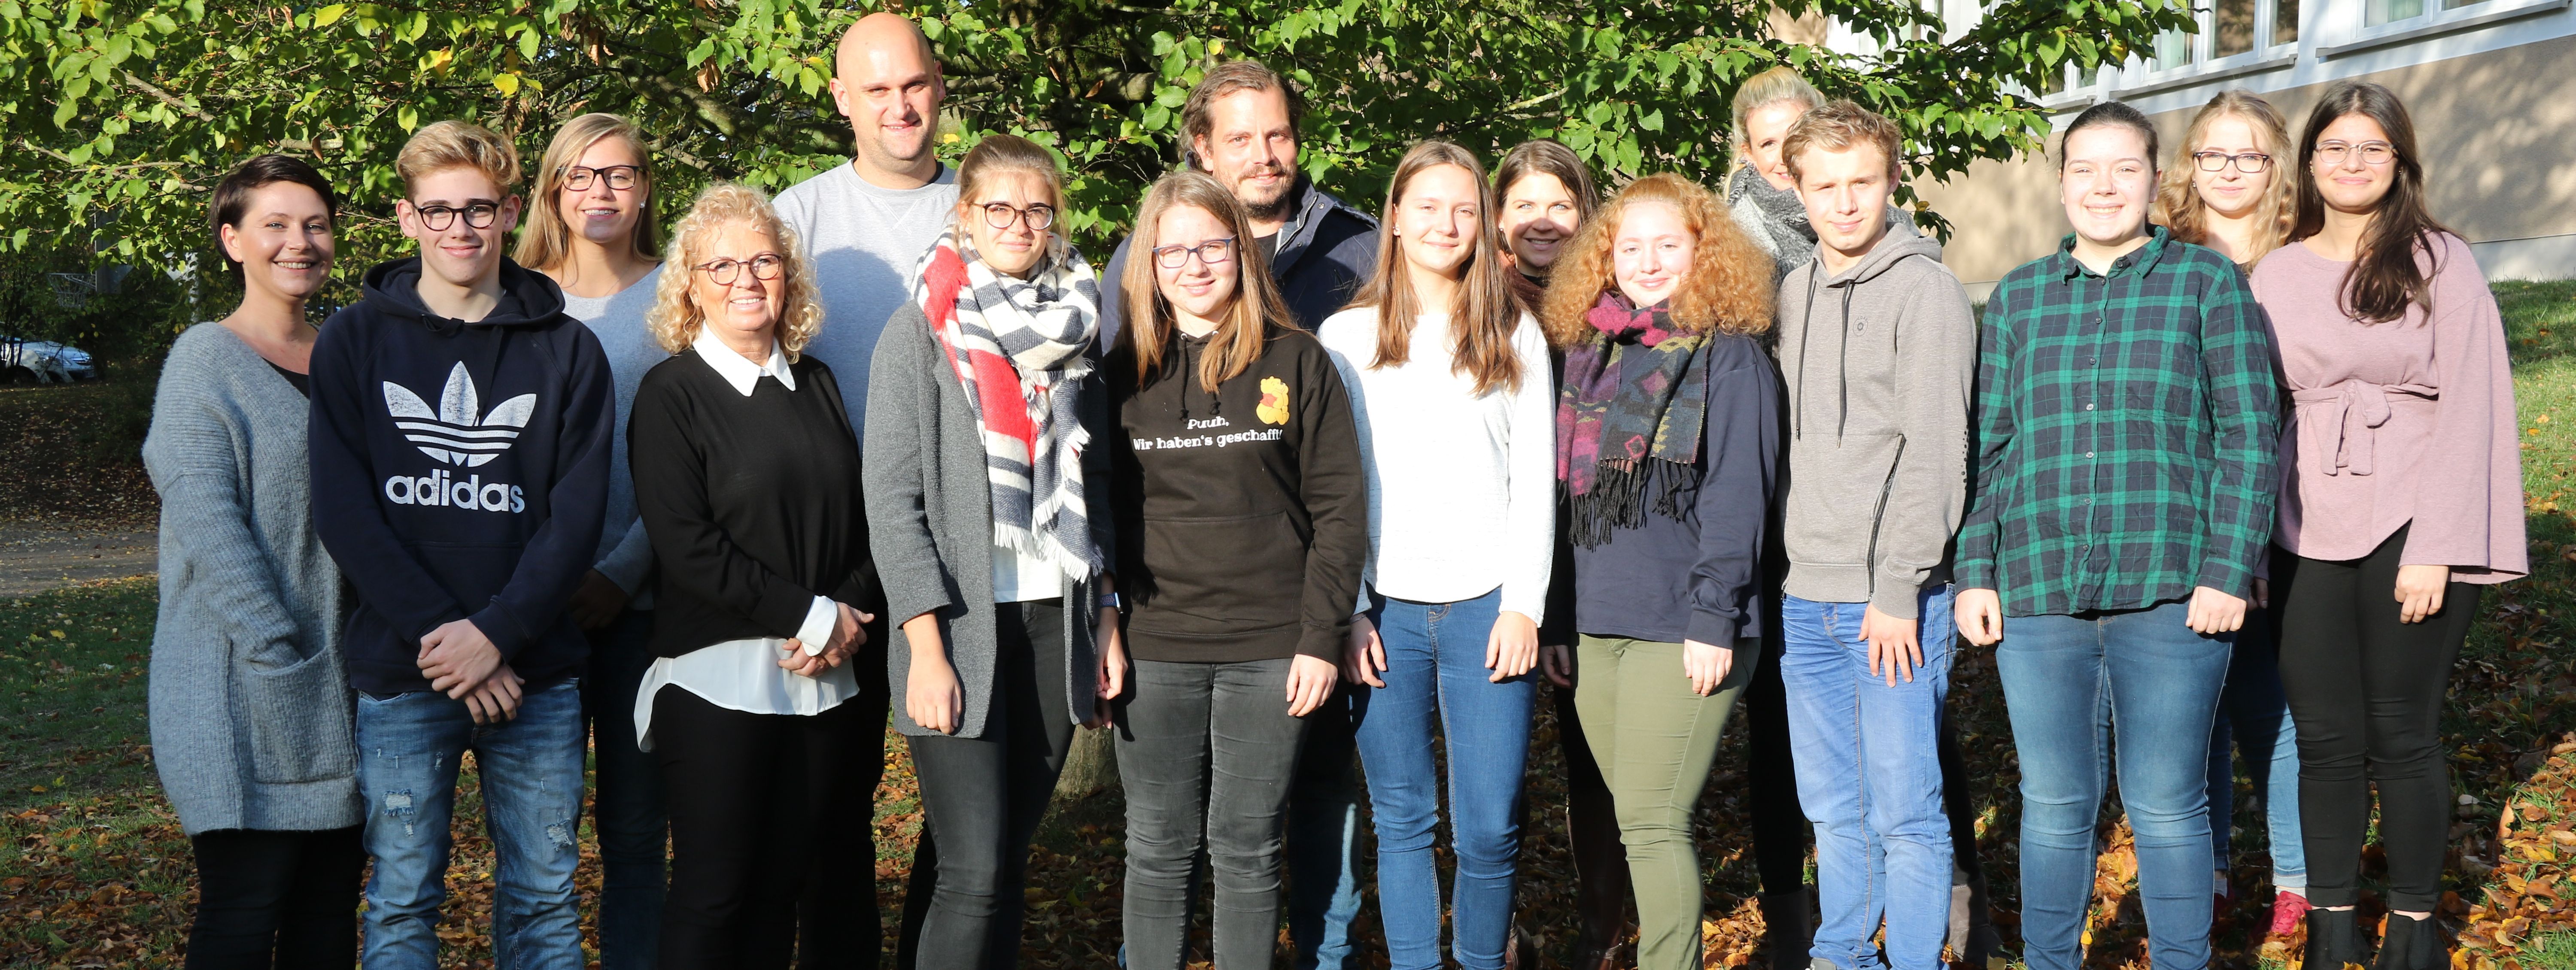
<point>2125,428</point>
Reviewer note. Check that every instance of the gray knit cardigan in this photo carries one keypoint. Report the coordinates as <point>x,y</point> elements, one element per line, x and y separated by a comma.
<point>930,522</point>
<point>251,718</point>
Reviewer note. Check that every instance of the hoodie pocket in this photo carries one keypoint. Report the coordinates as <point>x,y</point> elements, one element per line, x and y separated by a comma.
<point>295,719</point>
<point>1838,494</point>
<point>1220,576</point>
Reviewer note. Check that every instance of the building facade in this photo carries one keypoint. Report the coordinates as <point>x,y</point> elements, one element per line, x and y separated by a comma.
<point>2491,85</point>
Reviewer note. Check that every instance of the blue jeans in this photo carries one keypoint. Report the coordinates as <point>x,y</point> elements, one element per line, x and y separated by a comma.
<point>2068,682</point>
<point>1437,684</point>
<point>626,805</point>
<point>530,770</point>
<point>1323,839</point>
<point>2256,715</point>
<point>1869,776</point>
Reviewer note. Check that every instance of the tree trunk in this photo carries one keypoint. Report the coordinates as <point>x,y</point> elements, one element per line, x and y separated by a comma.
<point>1089,765</point>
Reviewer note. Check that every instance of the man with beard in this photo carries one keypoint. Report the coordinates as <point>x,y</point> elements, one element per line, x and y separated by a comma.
<point>1240,125</point>
<point>863,225</point>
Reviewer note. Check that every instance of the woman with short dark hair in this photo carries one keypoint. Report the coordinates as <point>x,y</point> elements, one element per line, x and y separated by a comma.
<point>251,723</point>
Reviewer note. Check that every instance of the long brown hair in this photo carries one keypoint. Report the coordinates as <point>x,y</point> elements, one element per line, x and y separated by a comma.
<point>1729,288</point>
<point>2384,279</point>
<point>548,241</point>
<point>1481,315</point>
<point>2179,206</point>
<point>1149,325</point>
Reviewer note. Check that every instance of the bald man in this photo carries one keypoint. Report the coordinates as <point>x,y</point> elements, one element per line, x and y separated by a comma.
<point>863,225</point>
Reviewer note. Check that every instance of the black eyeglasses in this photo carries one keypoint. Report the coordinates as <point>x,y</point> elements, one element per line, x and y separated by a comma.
<point>1211,252</point>
<point>766,266</point>
<point>2250,163</point>
<point>2333,153</point>
<point>620,177</point>
<point>438,218</point>
<point>1001,215</point>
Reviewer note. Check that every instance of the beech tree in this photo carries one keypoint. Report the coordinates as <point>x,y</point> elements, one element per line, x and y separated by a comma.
<point>119,115</point>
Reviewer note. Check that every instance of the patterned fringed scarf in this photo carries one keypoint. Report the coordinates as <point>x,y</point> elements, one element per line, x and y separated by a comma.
<point>1628,418</point>
<point>1017,345</point>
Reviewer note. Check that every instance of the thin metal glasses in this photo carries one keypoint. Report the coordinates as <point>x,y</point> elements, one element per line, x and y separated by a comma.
<point>2333,153</point>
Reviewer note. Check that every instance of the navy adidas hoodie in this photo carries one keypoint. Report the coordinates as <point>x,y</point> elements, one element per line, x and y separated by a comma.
<point>460,471</point>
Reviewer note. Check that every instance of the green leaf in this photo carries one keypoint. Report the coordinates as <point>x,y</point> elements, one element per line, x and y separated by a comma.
<point>330,15</point>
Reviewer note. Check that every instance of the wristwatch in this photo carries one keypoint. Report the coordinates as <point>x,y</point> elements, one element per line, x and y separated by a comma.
<point>1111,601</point>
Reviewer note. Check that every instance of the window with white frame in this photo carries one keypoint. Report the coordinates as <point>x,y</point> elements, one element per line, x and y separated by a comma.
<point>2231,29</point>
<point>2377,12</point>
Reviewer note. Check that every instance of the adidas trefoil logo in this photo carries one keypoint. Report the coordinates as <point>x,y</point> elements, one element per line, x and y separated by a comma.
<point>457,433</point>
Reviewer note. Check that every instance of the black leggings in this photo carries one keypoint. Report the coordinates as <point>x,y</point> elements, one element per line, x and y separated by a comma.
<point>770,849</point>
<point>276,899</point>
<point>985,796</point>
<point>2366,692</point>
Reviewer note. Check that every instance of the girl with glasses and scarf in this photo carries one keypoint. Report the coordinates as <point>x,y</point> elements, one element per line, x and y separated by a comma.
<point>986,502</point>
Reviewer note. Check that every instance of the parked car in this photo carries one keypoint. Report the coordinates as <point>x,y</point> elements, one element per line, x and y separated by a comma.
<point>43,362</point>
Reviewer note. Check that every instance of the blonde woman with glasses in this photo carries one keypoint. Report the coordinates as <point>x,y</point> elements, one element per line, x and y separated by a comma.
<point>745,473</point>
<point>594,234</point>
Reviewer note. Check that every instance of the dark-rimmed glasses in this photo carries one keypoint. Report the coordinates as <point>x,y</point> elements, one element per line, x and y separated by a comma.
<point>2333,153</point>
<point>1211,252</point>
<point>620,177</point>
<point>1001,215</point>
<point>766,266</point>
<point>438,218</point>
<point>2250,163</point>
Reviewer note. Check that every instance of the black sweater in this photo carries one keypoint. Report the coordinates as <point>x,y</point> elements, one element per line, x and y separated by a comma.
<point>752,503</point>
<point>460,471</point>
<point>1242,517</point>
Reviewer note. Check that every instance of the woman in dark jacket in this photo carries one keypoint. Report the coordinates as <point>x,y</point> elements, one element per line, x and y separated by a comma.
<point>1243,518</point>
<point>1668,444</point>
<point>985,423</point>
<point>743,461</point>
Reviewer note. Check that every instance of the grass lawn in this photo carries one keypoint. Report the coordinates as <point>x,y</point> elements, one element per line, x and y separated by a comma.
<point>94,872</point>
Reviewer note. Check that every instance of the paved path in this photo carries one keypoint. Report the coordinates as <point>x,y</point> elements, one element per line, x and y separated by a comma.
<point>38,557</point>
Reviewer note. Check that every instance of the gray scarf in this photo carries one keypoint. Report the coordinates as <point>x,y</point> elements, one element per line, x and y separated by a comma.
<point>1775,218</point>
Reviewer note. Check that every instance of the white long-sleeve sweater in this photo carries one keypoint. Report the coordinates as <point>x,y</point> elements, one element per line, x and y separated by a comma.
<point>1462,487</point>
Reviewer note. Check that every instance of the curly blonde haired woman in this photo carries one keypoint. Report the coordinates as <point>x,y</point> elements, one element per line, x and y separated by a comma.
<point>746,474</point>
<point>1668,447</point>
<point>2225,188</point>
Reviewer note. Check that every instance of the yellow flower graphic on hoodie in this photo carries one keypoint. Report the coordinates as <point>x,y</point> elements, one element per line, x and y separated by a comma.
<point>1274,401</point>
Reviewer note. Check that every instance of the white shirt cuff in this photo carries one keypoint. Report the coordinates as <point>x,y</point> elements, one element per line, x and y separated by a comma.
<point>817,630</point>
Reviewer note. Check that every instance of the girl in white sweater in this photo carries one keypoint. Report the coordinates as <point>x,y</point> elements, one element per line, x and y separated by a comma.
<point>1448,379</point>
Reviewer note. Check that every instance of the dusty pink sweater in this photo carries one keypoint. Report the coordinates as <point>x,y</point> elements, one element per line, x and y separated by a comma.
<point>2397,422</point>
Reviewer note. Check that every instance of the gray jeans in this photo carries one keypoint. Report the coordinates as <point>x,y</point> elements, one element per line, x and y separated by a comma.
<point>1206,752</point>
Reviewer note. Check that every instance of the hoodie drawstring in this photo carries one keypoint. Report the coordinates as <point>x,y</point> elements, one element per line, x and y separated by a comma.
<point>1798,409</point>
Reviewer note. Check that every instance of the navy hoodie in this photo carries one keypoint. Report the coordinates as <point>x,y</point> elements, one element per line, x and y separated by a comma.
<point>460,472</point>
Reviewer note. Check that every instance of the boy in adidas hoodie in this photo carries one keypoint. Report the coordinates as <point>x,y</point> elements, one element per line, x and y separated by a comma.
<point>1877,352</point>
<point>460,445</point>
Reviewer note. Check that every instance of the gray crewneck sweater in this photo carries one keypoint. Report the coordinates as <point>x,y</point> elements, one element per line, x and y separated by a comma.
<point>250,703</point>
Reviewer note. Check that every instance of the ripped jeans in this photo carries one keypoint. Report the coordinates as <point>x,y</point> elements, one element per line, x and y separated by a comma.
<point>530,778</point>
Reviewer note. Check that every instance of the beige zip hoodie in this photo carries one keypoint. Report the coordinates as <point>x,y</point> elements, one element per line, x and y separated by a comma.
<point>1879,361</point>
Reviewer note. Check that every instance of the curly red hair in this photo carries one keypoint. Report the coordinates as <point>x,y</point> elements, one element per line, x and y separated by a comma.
<point>1729,289</point>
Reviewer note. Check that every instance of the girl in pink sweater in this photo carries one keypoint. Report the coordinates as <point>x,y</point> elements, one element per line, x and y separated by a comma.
<point>2402,500</point>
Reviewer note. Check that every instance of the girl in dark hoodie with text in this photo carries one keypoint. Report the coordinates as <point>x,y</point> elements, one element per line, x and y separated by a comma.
<point>1243,520</point>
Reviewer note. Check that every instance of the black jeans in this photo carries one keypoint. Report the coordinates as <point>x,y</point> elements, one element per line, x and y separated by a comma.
<point>984,796</point>
<point>1206,752</point>
<point>276,899</point>
<point>1781,836</point>
<point>2366,692</point>
<point>626,804</point>
<point>770,848</point>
